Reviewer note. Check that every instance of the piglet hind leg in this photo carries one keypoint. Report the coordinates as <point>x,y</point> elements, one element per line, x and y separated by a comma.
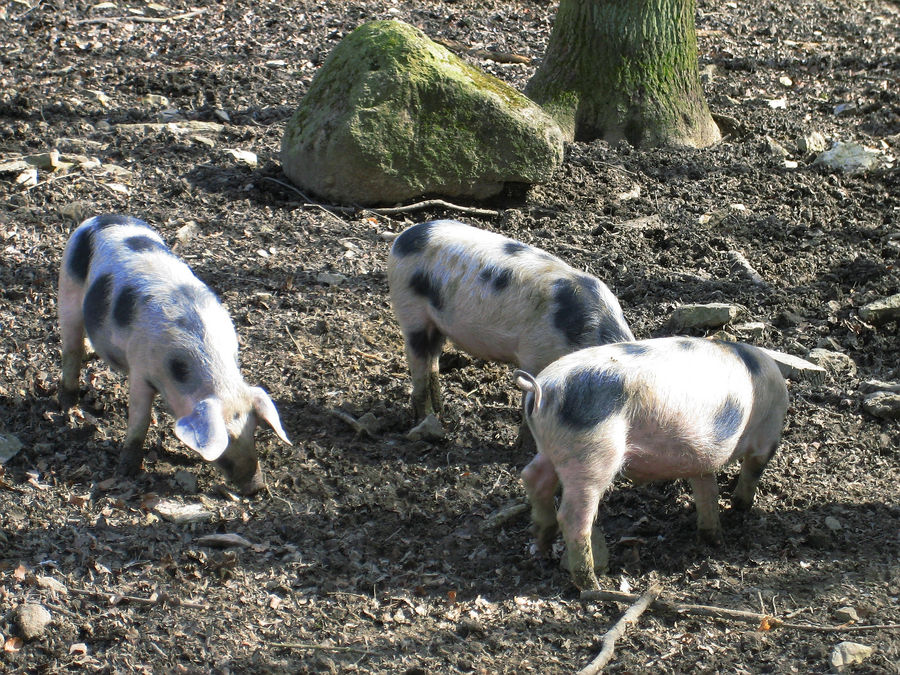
<point>752,467</point>
<point>71,328</point>
<point>706,501</point>
<point>541,483</point>
<point>423,350</point>
<point>577,511</point>
<point>140,402</point>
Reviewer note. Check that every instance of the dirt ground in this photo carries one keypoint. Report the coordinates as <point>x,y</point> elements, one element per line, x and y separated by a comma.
<point>379,554</point>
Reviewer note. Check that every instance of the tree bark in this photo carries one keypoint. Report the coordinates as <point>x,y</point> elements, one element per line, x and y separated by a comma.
<point>625,70</point>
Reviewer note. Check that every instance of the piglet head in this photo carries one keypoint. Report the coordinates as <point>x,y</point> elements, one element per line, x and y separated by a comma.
<point>224,435</point>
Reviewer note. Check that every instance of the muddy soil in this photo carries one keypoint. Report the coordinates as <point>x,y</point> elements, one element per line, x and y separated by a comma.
<point>370,552</point>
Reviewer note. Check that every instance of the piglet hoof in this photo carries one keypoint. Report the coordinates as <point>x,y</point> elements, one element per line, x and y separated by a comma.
<point>67,398</point>
<point>712,537</point>
<point>740,504</point>
<point>130,463</point>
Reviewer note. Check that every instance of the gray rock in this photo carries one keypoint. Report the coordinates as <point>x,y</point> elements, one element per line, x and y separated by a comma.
<point>752,329</point>
<point>32,620</point>
<point>851,158</point>
<point>712,315</point>
<point>833,524</point>
<point>884,404</point>
<point>877,385</point>
<point>881,311</point>
<point>846,615</point>
<point>849,653</point>
<point>9,447</point>
<point>812,143</point>
<point>795,368</point>
<point>186,480</point>
<point>429,429</point>
<point>835,363</point>
<point>392,116</point>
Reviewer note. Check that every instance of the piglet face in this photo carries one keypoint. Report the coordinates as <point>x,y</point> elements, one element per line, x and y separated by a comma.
<point>224,434</point>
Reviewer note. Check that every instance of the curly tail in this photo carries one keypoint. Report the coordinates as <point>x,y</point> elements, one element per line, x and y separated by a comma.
<point>528,384</point>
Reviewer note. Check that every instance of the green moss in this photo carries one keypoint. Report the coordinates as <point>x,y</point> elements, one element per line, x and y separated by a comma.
<point>419,115</point>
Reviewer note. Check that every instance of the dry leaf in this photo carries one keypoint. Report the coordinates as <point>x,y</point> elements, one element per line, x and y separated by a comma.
<point>20,572</point>
<point>13,644</point>
<point>78,648</point>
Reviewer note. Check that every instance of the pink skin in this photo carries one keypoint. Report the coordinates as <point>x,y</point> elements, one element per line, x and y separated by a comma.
<point>663,426</point>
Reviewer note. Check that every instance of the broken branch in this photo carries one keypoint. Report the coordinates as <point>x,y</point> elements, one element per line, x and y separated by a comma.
<point>725,613</point>
<point>161,598</point>
<point>628,619</point>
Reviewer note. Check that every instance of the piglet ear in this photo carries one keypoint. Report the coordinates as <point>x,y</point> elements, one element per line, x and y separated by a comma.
<point>265,409</point>
<point>204,429</point>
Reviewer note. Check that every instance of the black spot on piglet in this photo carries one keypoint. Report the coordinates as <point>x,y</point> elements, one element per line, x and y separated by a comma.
<point>96,304</point>
<point>179,369</point>
<point>141,243</point>
<point>425,285</point>
<point>413,239</point>
<point>590,396</point>
<point>82,249</point>
<point>124,306</point>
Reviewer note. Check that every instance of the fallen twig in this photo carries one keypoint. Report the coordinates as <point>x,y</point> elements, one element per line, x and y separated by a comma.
<point>499,517</point>
<point>161,598</point>
<point>499,57</point>
<point>629,618</point>
<point>755,618</point>
<point>315,647</point>
<point>312,203</point>
<point>142,19</point>
<point>428,203</point>
<point>352,422</point>
<point>386,211</point>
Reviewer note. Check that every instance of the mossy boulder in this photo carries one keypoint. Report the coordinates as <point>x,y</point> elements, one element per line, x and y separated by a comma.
<point>392,116</point>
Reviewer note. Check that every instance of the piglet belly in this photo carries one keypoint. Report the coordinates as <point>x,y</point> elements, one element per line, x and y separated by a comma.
<point>669,460</point>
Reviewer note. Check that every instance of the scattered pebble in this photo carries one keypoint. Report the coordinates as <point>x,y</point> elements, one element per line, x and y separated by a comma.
<point>182,513</point>
<point>884,404</point>
<point>429,429</point>
<point>851,158</point>
<point>330,278</point>
<point>812,143</point>
<point>846,615</point>
<point>833,523</point>
<point>849,653</point>
<point>32,619</point>
<point>9,447</point>
<point>712,315</point>
<point>834,362</point>
<point>881,311</point>
<point>795,368</point>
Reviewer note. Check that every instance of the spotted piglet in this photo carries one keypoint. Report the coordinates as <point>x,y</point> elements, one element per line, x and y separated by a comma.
<point>495,298</point>
<point>147,315</point>
<point>655,410</point>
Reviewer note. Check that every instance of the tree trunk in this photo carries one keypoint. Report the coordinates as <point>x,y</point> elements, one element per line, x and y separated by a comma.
<point>625,69</point>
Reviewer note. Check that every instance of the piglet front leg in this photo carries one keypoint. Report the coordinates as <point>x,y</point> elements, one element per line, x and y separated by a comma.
<point>140,403</point>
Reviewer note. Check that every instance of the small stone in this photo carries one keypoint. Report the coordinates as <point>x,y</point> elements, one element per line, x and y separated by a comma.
<point>155,100</point>
<point>244,156</point>
<point>884,404</point>
<point>221,115</point>
<point>751,329</point>
<point>846,615</point>
<point>785,81</point>
<point>833,523</point>
<point>186,232</point>
<point>32,620</point>
<point>795,368</point>
<point>812,143</point>
<point>775,148</point>
<point>851,158</point>
<point>849,653</point>
<point>45,160</point>
<point>429,429</point>
<point>869,386</point>
<point>186,480</point>
<point>712,315</point>
<point>834,362</point>
<point>330,278</point>
<point>9,447</point>
<point>203,140</point>
<point>182,513</point>
<point>881,311</point>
